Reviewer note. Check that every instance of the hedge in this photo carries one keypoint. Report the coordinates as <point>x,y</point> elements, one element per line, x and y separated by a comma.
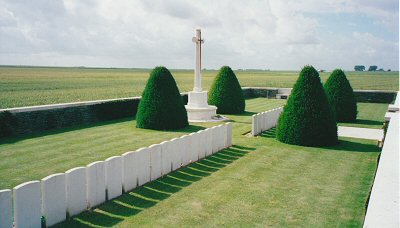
<point>226,93</point>
<point>161,107</point>
<point>341,97</point>
<point>307,119</point>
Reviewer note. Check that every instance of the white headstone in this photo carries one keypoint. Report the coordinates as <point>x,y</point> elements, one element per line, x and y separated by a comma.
<point>209,141</point>
<point>113,168</point>
<point>75,181</point>
<point>166,158</point>
<point>266,118</point>
<point>185,145</point>
<point>202,144</point>
<point>194,147</point>
<point>176,152</point>
<point>215,139</point>
<point>155,161</point>
<point>143,165</point>
<point>129,174</point>
<point>27,205</point>
<point>54,207</point>
<point>253,125</point>
<point>6,219</point>
<point>96,183</point>
<point>228,134</point>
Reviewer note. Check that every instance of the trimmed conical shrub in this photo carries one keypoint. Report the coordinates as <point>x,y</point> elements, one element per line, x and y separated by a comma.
<point>226,93</point>
<point>341,97</point>
<point>161,106</point>
<point>307,119</point>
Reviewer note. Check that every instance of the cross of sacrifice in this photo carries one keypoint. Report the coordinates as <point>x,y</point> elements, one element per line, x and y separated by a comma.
<point>197,78</point>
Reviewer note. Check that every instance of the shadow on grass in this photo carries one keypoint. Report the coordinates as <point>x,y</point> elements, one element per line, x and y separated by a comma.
<point>355,145</point>
<point>11,140</point>
<point>269,134</point>
<point>369,122</point>
<point>15,139</point>
<point>129,204</point>
<point>351,145</point>
<point>246,113</point>
<point>363,122</point>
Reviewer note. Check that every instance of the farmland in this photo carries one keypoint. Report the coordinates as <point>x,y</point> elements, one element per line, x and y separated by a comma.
<point>27,86</point>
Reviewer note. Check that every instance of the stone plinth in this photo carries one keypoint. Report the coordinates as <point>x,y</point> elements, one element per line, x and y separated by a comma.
<point>198,109</point>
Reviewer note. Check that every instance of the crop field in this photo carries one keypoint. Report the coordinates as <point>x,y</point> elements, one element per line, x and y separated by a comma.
<point>27,86</point>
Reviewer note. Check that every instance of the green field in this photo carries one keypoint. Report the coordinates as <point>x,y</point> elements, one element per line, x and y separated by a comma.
<point>27,86</point>
<point>257,182</point>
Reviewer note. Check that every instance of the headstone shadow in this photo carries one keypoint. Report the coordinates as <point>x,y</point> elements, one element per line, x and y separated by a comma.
<point>131,203</point>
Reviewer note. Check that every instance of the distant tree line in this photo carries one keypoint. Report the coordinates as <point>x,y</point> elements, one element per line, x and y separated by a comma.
<point>371,68</point>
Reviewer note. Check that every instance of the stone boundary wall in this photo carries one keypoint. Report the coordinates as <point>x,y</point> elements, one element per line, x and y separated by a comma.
<point>384,207</point>
<point>58,196</point>
<point>370,96</point>
<point>265,120</point>
<point>36,119</point>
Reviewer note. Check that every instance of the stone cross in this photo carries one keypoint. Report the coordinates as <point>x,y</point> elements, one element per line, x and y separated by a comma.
<point>197,73</point>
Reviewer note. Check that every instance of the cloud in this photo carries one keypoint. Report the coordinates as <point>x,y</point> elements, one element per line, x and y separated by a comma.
<point>272,34</point>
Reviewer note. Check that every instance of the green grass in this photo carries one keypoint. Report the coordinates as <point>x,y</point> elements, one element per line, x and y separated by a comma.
<point>370,115</point>
<point>27,86</point>
<point>257,182</point>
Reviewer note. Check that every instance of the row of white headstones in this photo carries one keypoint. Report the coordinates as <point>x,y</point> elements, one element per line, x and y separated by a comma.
<point>265,120</point>
<point>82,188</point>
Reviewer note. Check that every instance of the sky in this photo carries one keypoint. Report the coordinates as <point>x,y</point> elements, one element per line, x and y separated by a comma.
<point>253,34</point>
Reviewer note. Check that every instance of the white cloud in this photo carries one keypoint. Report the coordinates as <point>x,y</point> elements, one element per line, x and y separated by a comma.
<point>273,34</point>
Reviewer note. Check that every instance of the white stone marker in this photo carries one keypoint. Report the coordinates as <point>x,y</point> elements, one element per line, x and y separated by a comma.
<point>185,145</point>
<point>27,205</point>
<point>194,147</point>
<point>197,108</point>
<point>96,183</point>
<point>75,183</point>
<point>129,173</point>
<point>265,116</point>
<point>54,205</point>
<point>209,141</point>
<point>166,158</point>
<point>174,148</point>
<point>155,161</point>
<point>113,168</point>
<point>143,165</point>
<point>228,135</point>
<point>258,127</point>
<point>6,219</point>
<point>221,136</point>
<point>215,138</point>
<point>253,125</point>
<point>202,144</point>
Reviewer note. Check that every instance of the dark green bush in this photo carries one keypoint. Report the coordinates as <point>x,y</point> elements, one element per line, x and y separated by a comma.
<point>161,106</point>
<point>307,119</point>
<point>226,93</point>
<point>341,97</point>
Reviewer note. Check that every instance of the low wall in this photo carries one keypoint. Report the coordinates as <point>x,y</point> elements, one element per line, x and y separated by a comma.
<point>265,120</point>
<point>370,96</point>
<point>28,120</point>
<point>81,188</point>
<point>34,119</point>
<point>383,206</point>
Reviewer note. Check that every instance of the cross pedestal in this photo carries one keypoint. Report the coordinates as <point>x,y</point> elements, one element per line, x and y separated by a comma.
<point>197,108</point>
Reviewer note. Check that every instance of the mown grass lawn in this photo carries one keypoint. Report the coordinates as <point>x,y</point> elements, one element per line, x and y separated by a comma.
<point>36,156</point>
<point>27,86</point>
<point>370,115</point>
<point>257,182</point>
